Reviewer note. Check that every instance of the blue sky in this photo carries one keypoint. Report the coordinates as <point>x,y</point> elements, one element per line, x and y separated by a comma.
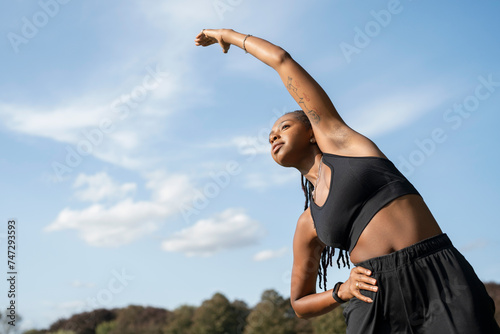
<point>137,165</point>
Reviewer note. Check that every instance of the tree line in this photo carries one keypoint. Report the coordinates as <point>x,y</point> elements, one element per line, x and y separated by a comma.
<point>217,315</point>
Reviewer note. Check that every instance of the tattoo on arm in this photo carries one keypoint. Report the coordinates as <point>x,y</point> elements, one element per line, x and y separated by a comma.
<point>313,115</point>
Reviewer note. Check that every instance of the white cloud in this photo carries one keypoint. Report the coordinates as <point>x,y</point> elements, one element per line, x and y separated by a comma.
<point>120,223</point>
<point>135,99</point>
<point>475,245</point>
<point>258,142</point>
<point>108,127</point>
<point>398,109</point>
<point>177,14</point>
<point>101,187</point>
<point>227,230</point>
<point>62,123</point>
<point>127,144</point>
<point>270,254</point>
<point>252,145</point>
<point>114,226</point>
<point>263,181</point>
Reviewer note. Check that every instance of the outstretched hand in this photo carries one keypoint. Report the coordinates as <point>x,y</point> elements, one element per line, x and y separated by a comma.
<point>211,36</point>
<point>359,279</point>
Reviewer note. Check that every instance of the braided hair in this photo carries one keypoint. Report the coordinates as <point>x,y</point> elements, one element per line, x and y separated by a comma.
<point>328,252</point>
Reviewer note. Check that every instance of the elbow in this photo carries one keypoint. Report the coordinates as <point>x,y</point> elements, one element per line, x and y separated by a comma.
<point>299,314</point>
<point>303,316</point>
<point>283,56</point>
<point>280,58</point>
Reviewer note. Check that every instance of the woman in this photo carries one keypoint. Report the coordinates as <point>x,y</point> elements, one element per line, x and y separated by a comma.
<point>408,276</point>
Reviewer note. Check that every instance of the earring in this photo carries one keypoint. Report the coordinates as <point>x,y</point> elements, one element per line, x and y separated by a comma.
<point>312,140</point>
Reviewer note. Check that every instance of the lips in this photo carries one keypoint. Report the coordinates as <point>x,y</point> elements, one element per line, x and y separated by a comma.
<point>276,147</point>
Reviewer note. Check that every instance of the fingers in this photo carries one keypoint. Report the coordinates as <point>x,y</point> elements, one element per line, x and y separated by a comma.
<point>200,35</point>
<point>366,286</point>
<point>361,280</point>
<point>361,270</point>
<point>210,36</point>
<point>362,297</point>
<point>203,39</point>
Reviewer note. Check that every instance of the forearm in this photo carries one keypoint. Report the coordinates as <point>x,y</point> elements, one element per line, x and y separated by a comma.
<point>314,305</point>
<point>261,49</point>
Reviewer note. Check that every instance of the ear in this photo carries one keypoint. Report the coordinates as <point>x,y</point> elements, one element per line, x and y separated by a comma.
<point>312,140</point>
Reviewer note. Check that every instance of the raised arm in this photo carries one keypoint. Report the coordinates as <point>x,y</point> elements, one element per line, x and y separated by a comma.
<point>332,134</point>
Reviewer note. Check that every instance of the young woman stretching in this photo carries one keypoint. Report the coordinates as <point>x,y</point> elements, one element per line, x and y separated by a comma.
<point>408,277</point>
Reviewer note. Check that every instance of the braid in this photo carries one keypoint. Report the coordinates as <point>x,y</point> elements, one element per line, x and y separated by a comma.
<point>328,252</point>
<point>307,187</point>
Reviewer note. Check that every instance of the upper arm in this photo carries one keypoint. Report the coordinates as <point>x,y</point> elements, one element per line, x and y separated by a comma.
<point>306,257</point>
<point>329,128</point>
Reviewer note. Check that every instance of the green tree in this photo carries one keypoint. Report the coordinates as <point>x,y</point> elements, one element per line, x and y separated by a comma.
<point>106,327</point>
<point>215,316</point>
<point>331,323</point>
<point>272,315</point>
<point>181,322</point>
<point>242,312</point>
<point>83,323</point>
<point>303,326</point>
<point>5,324</point>
<point>140,320</point>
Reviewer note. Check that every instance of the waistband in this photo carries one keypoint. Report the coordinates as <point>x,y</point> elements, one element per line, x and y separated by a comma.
<point>407,255</point>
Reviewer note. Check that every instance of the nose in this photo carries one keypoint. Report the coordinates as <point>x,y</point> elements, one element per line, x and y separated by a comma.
<point>274,137</point>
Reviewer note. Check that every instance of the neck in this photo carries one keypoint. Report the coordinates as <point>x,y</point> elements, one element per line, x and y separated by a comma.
<point>310,165</point>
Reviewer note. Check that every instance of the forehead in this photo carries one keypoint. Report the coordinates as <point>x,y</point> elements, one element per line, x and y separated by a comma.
<point>284,118</point>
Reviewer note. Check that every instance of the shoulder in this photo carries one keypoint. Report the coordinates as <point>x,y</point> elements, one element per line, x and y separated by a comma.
<point>305,232</point>
<point>305,220</point>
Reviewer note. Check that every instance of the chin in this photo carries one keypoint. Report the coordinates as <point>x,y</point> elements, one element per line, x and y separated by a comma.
<point>283,162</point>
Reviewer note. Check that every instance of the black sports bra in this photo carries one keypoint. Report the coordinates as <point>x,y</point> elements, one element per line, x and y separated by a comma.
<point>359,188</point>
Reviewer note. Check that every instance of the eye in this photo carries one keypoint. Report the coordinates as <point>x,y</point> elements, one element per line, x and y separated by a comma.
<point>284,127</point>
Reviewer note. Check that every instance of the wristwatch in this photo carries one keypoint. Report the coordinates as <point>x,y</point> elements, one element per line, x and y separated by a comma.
<point>335,293</point>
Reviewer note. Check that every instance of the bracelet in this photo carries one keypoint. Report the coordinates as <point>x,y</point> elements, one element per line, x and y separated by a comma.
<point>244,39</point>
<point>335,293</point>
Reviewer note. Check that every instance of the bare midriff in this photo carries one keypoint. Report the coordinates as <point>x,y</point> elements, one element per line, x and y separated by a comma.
<point>401,223</point>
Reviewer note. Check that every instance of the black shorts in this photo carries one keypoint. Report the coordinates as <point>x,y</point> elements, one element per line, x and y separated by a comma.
<point>428,287</point>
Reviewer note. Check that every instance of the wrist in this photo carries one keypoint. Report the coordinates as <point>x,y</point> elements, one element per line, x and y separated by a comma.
<point>341,293</point>
<point>225,35</point>
<point>337,294</point>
